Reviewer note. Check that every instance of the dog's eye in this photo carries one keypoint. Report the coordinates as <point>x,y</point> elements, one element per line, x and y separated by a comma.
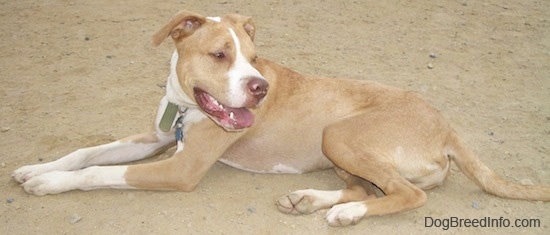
<point>218,55</point>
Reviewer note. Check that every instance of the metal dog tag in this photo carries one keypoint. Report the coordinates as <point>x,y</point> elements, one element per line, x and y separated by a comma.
<point>168,117</point>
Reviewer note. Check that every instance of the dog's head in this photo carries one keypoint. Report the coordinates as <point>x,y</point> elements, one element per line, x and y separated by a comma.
<point>216,65</point>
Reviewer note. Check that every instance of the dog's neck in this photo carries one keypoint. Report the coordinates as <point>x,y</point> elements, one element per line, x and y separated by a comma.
<point>174,93</point>
<point>178,103</point>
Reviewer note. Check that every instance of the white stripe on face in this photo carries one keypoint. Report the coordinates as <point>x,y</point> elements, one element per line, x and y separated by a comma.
<point>216,19</point>
<point>240,70</point>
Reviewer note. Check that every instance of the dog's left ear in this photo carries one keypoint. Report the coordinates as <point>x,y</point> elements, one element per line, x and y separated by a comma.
<point>183,24</point>
<point>247,23</point>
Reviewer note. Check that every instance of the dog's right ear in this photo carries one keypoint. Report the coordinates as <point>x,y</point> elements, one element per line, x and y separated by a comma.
<point>183,24</point>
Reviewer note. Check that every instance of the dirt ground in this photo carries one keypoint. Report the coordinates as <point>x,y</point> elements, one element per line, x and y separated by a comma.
<point>82,73</point>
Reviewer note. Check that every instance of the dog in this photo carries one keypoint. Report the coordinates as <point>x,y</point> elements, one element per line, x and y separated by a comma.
<point>225,104</point>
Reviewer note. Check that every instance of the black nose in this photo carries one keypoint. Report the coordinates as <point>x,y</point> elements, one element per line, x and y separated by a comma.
<point>258,87</point>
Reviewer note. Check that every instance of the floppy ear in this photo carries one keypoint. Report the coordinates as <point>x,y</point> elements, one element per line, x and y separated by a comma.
<point>183,24</point>
<point>247,23</point>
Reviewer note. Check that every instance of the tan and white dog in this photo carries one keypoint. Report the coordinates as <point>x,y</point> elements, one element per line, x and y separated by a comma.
<point>225,104</point>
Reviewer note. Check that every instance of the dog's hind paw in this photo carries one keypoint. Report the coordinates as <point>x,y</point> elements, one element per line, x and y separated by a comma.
<point>346,214</point>
<point>307,201</point>
<point>295,204</point>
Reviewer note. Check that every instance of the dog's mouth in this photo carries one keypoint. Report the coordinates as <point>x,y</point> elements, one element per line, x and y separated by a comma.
<point>227,117</point>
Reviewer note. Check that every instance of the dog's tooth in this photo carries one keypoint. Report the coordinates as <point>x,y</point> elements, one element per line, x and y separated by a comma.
<point>232,116</point>
<point>215,102</point>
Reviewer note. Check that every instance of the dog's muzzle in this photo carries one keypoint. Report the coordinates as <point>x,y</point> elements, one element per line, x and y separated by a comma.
<point>233,118</point>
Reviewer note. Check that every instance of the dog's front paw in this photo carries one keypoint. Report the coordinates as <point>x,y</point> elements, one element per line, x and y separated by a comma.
<point>346,214</point>
<point>49,183</point>
<point>25,173</point>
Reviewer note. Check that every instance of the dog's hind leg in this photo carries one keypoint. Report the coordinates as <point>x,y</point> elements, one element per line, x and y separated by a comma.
<point>365,155</point>
<point>400,195</point>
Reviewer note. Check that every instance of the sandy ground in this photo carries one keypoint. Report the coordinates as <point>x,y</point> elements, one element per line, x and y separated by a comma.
<point>82,73</point>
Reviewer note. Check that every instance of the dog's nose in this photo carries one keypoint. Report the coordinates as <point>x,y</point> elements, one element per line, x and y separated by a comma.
<point>258,87</point>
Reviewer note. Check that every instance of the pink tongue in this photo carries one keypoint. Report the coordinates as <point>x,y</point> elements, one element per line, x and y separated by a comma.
<point>242,117</point>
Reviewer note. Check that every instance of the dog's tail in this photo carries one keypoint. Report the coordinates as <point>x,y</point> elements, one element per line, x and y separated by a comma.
<point>490,182</point>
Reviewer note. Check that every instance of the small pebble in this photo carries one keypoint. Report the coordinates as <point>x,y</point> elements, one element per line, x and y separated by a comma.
<point>475,205</point>
<point>75,218</point>
<point>432,55</point>
<point>430,66</point>
<point>10,200</point>
<point>5,128</point>
<point>3,165</point>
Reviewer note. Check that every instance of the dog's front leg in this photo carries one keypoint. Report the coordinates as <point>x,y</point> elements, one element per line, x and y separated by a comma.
<point>64,174</point>
<point>205,143</point>
<point>131,148</point>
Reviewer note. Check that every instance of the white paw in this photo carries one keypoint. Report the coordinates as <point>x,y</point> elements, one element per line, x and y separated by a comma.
<point>25,173</point>
<point>50,183</point>
<point>346,214</point>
